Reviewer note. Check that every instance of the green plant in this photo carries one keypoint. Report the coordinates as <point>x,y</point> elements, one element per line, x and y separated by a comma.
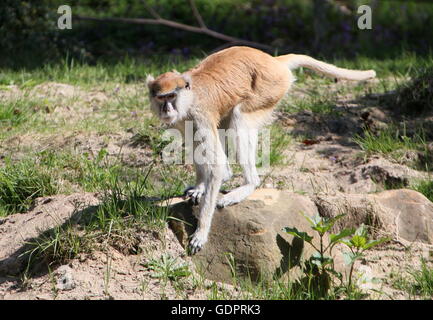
<point>415,97</point>
<point>21,183</point>
<point>168,268</point>
<point>320,267</point>
<point>419,282</point>
<point>357,245</point>
<point>150,135</point>
<point>57,246</point>
<point>395,142</point>
<point>426,188</point>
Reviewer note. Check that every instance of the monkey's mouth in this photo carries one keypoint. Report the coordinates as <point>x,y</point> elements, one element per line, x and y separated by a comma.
<point>168,117</point>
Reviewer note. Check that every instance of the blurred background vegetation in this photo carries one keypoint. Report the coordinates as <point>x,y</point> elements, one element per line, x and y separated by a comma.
<point>29,35</point>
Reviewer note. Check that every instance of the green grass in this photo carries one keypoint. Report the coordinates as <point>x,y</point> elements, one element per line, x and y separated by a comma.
<point>125,211</point>
<point>150,134</point>
<point>168,268</point>
<point>394,142</point>
<point>315,102</point>
<point>385,142</point>
<point>423,281</point>
<point>419,283</point>
<point>71,71</point>
<point>415,97</point>
<point>19,113</point>
<point>280,139</point>
<point>21,183</point>
<point>426,188</point>
<point>58,246</point>
<point>90,172</point>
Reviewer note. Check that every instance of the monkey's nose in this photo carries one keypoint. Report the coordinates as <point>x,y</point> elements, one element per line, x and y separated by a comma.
<point>165,107</point>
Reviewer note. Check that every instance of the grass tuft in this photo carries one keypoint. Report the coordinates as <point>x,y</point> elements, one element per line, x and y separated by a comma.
<point>21,184</point>
<point>415,97</point>
<point>426,188</point>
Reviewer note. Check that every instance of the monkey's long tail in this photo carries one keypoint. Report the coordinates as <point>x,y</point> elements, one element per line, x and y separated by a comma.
<point>294,61</point>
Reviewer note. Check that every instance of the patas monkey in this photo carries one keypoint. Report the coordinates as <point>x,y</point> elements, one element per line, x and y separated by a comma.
<point>238,87</point>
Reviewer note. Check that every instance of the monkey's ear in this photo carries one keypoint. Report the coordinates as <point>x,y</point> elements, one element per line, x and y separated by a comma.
<point>187,78</point>
<point>149,80</point>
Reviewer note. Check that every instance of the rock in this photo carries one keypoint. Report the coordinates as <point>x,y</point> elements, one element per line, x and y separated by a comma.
<point>65,279</point>
<point>411,214</point>
<point>388,174</point>
<point>250,234</point>
<point>404,214</point>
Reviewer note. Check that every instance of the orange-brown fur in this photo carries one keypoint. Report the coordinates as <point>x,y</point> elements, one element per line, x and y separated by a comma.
<point>240,75</point>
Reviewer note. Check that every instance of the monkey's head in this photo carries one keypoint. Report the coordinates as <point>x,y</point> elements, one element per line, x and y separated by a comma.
<point>170,96</point>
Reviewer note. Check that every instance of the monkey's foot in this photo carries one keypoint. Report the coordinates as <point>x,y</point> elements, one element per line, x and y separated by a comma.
<point>225,202</point>
<point>194,193</point>
<point>235,196</point>
<point>197,242</point>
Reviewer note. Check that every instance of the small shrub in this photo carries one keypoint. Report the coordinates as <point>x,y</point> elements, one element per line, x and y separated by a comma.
<point>320,270</point>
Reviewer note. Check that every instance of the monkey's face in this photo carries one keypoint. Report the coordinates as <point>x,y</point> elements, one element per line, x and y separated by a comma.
<point>170,96</point>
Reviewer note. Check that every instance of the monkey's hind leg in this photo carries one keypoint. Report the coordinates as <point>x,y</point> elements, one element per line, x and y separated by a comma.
<point>246,145</point>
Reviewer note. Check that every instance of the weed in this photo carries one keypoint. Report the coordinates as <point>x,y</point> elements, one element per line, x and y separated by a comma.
<point>168,268</point>
<point>320,269</point>
<point>57,246</point>
<point>280,140</point>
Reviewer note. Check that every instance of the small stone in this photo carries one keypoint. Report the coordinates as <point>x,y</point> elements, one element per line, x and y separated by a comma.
<point>65,280</point>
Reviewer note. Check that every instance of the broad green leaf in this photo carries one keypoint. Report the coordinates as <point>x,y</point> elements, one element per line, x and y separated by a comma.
<point>358,241</point>
<point>332,221</point>
<point>320,229</point>
<point>342,234</point>
<point>350,257</point>
<point>299,234</point>
<point>323,225</point>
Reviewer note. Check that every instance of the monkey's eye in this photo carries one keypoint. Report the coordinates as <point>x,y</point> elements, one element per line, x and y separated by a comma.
<point>171,96</point>
<point>166,97</point>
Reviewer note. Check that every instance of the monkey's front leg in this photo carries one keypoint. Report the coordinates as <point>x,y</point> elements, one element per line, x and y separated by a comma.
<point>196,192</point>
<point>210,165</point>
<point>206,208</point>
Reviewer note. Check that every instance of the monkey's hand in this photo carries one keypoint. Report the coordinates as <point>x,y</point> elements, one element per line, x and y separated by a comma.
<point>197,242</point>
<point>194,193</point>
